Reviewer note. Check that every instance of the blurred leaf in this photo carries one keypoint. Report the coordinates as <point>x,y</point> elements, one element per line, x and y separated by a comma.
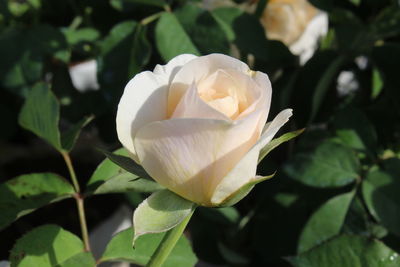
<point>123,53</point>
<point>171,38</point>
<point>322,4</point>
<point>69,138</point>
<point>203,29</point>
<point>23,194</point>
<point>120,249</point>
<point>40,114</point>
<point>126,182</point>
<point>377,83</point>
<point>45,246</point>
<point>323,85</point>
<point>387,23</point>
<point>127,164</point>
<point>278,141</point>
<point>232,256</point>
<point>325,222</point>
<point>355,130</point>
<point>121,4</point>
<point>248,34</point>
<point>381,194</point>
<point>226,215</point>
<point>75,36</point>
<point>83,259</point>
<point>160,212</point>
<point>329,165</point>
<point>348,251</point>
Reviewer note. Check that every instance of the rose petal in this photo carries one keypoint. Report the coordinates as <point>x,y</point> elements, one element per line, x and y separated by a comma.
<point>174,65</point>
<point>191,156</point>
<point>196,70</point>
<point>145,100</point>
<point>246,168</point>
<point>192,106</point>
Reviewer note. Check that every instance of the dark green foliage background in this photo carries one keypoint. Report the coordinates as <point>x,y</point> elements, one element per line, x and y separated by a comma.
<point>335,200</point>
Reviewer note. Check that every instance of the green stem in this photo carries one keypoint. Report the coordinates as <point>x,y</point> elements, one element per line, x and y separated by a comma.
<point>168,243</point>
<point>79,200</point>
<point>71,170</point>
<point>82,221</point>
<point>151,18</point>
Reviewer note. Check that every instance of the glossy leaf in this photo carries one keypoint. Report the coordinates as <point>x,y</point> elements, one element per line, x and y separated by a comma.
<point>45,246</point>
<point>41,113</point>
<point>171,38</point>
<point>325,222</point>
<point>123,54</point>
<point>380,191</point>
<point>349,251</point>
<point>162,211</point>
<point>83,259</point>
<point>329,165</point>
<point>127,182</point>
<point>120,249</point>
<point>23,194</point>
<point>355,130</point>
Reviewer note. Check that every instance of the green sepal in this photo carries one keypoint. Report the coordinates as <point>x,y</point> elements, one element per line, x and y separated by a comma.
<point>127,164</point>
<point>239,194</point>
<point>160,212</point>
<point>276,142</point>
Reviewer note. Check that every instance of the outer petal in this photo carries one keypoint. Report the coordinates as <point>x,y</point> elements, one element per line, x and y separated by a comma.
<point>198,69</point>
<point>145,100</point>
<point>245,170</point>
<point>191,156</point>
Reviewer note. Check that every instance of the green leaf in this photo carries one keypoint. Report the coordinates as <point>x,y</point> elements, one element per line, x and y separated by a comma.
<point>23,194</point>
<point>348,251</point>
<point>355,130</point>
<point>122,5</point>
<point>126,182</point>
<point>127,164</point>
<point>325,222</point>
<point>171,38</point>
<point>69,138</point>
<point>76,36</point>
<point>323,85</point>
<point>105,170</point>
<point>120,249</point>
<point>123,53</point>
<point>84,259</point>
<point>380,191</point>
<point>204,31</point>
<point>47,245</point>
<point>377,83</point>
<point>40,114</point>
<point>162,211</point>
<point>277,141</point>
<point>329,165</point>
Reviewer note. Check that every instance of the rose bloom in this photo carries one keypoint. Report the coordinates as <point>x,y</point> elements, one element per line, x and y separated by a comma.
<point>197,125</point>
<point>296,23</point>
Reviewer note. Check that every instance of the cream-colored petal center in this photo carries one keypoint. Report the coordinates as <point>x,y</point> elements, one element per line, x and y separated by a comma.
<point>222,92</point>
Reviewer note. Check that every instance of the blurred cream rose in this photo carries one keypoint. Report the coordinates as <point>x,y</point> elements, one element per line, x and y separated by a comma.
<point>197,125</point>
<point>296,23</point>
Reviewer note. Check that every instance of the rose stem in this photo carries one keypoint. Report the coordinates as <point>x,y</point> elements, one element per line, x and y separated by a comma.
<point>79,200</point>
<point>168,243</point>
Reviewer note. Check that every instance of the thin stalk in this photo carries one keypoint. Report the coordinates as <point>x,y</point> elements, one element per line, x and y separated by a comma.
<point>79,200</point>
<point>71,170</point>
<point>168,243</point>
<point>151,18</point>
<point>82,221</point>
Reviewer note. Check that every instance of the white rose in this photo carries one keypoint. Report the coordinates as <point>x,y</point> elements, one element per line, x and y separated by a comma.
<point>297,24</point>
<point>196,125</point>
